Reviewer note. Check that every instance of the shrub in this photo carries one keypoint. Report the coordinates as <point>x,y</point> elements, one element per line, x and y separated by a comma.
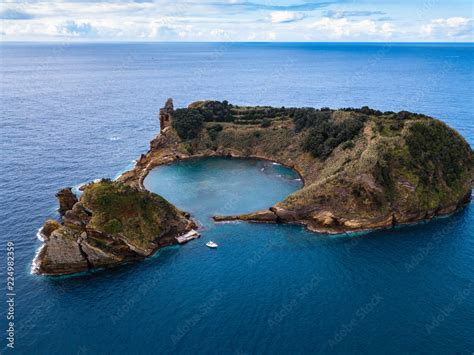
<point>325,137</point>
<point>309,117</point>
<point>187,122</point>
<point>214,130</point>
<point>379,126</point>
<point>112,226</point>
<point>397,125</point>
<point>217,127</point>
<point>364,110</point>
<point>437,151</point>
<point>216,111</point>
<point>266,123</point>
<point>348,145</point>
<point>403,115</point>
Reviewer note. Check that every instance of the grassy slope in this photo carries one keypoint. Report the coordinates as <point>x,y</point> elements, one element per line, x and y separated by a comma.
<point>139,216</point>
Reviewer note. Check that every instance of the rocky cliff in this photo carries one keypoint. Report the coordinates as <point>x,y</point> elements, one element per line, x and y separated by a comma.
<point>362,168</point>
<point>111,224</point>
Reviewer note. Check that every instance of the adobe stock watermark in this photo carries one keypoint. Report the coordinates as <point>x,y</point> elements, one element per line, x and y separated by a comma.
<point>288,307</point>
<point>422,252</point>
<point>204,309</point>
<point>10,295</point>
<point>360,314</point>
<point>447,310</point>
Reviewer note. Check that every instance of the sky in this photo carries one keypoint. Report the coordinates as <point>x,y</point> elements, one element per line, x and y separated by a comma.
<point>238,20</point>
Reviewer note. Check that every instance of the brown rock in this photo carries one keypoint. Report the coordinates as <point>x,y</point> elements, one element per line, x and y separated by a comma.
<point>49,227</point>
<point>266,216</point>
<point>60,255</point>
<point>165,114</point>
<point>67,199</point>
<point>226,218</point>
<point>325,218</point>
<point>89,237</point>
<point>262,216</point>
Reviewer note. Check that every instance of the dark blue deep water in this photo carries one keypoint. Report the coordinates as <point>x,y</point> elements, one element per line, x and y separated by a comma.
<point>71,113</point>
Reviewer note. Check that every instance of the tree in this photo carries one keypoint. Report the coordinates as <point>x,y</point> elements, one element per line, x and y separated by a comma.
<point>187,122</point>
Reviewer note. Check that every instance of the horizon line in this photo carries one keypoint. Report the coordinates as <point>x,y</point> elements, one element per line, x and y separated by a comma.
<point>236,42</point>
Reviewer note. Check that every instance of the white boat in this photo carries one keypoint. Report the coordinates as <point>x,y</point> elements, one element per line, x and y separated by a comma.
<point>211,244</point>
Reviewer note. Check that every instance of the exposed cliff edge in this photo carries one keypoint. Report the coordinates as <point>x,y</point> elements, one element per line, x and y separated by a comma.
<point>109,225</point>
<point>362,169</point>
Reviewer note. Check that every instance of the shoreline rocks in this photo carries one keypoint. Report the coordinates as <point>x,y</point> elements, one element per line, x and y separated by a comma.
<point>112,224</point>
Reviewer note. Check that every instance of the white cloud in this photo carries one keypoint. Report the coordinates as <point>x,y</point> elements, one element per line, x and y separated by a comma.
<point>356,13</point>
<point>226,20</point>
<point>262,36</point>
<point>387,29</point>
<point>219,33</point>
<point>453,27</point>
<point>342,27</point>
<point>77,29</point>
<point>285,16</point>
<point>270,35</point>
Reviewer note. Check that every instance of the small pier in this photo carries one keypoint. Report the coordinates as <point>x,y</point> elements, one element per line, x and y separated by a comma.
<point>192,234</point>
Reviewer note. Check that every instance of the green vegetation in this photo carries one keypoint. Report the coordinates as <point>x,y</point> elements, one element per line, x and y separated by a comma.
<point>139,216</point>
<point>348,145</point>
<point>325,134</point>
<point>216,111</point>
<point>437,153</point>
<point>214,130</point>
<point>102,244</point>
<point>305,118</point>
<point>187,122</point>
<point>266,123</point>
<point>426,154</point>
<point>113,226</point>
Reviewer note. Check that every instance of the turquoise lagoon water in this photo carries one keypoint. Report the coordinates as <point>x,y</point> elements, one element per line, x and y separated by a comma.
<point>72,113</point>
<point>208,187</point>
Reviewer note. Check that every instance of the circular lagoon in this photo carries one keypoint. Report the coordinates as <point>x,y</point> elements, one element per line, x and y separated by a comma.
<point>222,186</point>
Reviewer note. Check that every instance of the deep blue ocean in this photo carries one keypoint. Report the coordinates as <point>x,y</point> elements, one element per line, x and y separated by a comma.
<point>71,113</point>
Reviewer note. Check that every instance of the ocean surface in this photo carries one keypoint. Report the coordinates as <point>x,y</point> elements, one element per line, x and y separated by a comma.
<point>71,113</point>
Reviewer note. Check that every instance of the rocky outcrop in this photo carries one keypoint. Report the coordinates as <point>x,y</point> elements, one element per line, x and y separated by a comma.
<point>165,114</point>
<point>362,169</point>
<point>265,216</point>
<point>67,199</point>
<point>110,225</point>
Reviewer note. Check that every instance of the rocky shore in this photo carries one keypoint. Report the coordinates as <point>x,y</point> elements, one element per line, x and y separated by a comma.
<point>111,224</point>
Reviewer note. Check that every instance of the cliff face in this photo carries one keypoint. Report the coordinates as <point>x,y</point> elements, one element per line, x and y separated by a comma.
<point>66,199</point>
<point>109,225</point>
<point>362,168</point>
